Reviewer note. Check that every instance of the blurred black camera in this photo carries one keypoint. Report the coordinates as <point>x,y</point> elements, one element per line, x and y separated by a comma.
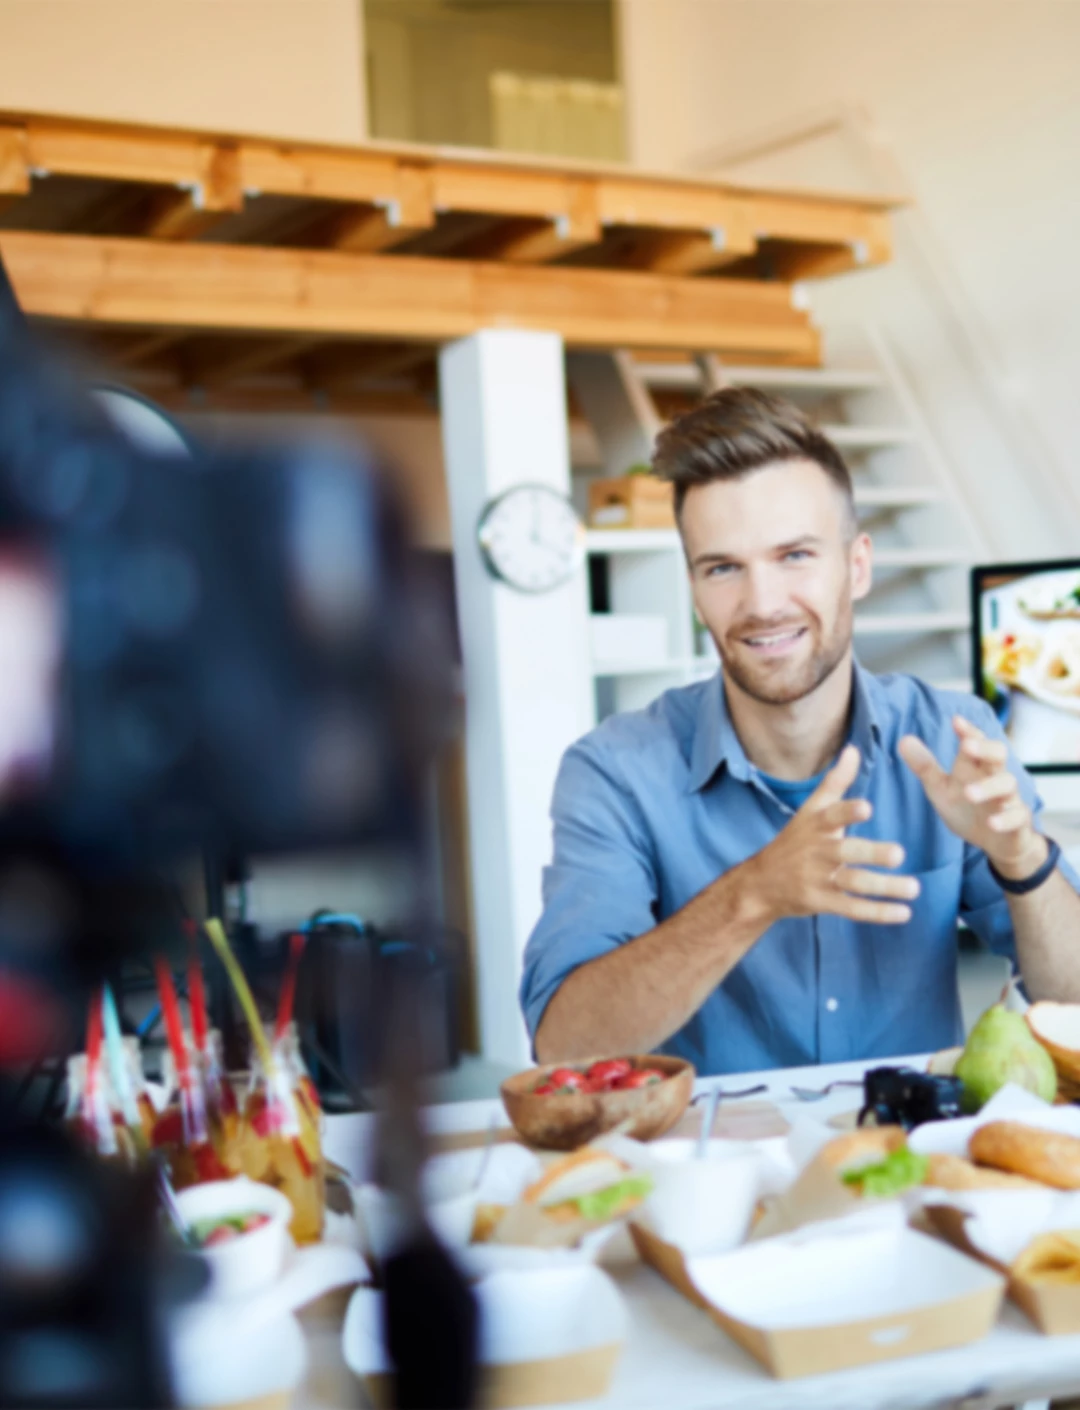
<point>205,653</point>
<point>900,1096</point>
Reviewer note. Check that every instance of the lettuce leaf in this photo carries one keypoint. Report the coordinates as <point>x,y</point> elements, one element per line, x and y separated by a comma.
<point>899,1171</point>
<point>604,1204</point>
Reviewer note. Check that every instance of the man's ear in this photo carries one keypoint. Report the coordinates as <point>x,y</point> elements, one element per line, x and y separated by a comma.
<point>862,566</point>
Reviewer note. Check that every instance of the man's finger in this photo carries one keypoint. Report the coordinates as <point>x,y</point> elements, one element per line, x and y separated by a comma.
<point>837,781</point>
<point>985,751</point>
<point>985,790</point>
<point>846,813</point>
<point>870,912</point>
<point>1010,819</point>
<point>858,882</point>
<point>966,729</point>
<point>921,762</point>
<point>860,851</point>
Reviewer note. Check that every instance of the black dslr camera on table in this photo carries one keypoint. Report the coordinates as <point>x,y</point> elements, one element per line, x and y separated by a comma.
<point>205,655</point>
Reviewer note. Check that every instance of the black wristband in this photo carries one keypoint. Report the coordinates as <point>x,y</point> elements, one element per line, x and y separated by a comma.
<point>1035,880</point>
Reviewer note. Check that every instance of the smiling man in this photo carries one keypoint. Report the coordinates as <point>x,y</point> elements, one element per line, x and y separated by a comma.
<point>767,869</point>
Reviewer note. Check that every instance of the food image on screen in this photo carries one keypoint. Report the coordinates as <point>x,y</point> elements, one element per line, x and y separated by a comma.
<point>1030,640</point>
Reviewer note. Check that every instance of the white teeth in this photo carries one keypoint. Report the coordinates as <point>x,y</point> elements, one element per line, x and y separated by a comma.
<point>773,640</point>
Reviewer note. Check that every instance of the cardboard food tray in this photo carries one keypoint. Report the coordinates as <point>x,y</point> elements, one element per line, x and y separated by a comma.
<point>804,1344</point>
<point>584,1375</point>
<point>548,1338</point>
<point>1054,1310</point>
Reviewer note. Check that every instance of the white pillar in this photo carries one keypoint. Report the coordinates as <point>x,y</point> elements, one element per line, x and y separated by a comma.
<point>528,689</point>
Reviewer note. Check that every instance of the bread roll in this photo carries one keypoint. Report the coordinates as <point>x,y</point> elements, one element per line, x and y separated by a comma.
<point>865,1146</point>
<point>1046,1156</point>
<point>953,1172</point>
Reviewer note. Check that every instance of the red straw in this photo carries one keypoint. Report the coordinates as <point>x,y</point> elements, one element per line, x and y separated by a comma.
<point>93,1039</point>
<point>171,1009</point>
<point>200,1028</point>
<point>288,986</point>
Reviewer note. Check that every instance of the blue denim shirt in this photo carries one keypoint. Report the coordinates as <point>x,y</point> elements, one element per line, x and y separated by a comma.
<point>654,805</point>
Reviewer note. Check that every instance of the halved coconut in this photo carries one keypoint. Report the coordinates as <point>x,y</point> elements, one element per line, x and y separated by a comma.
<point>1057,1028</point>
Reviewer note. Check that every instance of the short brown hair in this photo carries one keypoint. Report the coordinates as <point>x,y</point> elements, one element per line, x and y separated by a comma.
<point>739,430</point>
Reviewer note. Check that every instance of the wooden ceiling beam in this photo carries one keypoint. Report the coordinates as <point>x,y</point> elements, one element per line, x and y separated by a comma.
<point>339,369</point>
<point>236,288</point>
<point>183,213</point>
<point>248,359</point>
<point>143,346</point>
<point>719,216</point>
<point>14,167</point>
<point>688,252</point>
<point>408,212</point>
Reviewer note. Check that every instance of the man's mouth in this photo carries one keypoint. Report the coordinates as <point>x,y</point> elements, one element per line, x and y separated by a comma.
<point>775,642</point>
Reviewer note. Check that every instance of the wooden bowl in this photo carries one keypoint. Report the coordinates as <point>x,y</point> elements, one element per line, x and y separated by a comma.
<point>565,1120</point>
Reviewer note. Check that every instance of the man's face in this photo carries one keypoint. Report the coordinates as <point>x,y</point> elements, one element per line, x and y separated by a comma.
<point>774,571</point>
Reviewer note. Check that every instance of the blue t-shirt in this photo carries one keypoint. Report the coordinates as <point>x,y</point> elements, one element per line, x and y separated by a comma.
<point>654,805</point>
<point>793,792</point>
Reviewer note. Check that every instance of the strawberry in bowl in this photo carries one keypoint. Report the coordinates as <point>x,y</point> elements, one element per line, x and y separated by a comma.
<point>562,1106</point>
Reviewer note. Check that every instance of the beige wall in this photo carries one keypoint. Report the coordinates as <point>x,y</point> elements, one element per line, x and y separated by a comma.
<point>980,102</point>
<point>285,68</point>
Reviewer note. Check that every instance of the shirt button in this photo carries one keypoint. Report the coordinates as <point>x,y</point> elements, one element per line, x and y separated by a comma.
<point>832,1005</point>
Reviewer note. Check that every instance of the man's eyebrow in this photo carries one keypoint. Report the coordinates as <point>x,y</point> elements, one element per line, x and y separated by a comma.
<point>704,558</point>
<point>803,541</point>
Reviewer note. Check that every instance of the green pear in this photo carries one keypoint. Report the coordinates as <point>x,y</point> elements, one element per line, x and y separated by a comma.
<point>1000,1049</point>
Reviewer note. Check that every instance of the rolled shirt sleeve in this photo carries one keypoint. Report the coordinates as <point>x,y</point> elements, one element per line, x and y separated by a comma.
<point>601,887</point>
<point>983,904</point>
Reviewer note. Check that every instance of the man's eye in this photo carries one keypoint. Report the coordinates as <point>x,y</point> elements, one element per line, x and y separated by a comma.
<point>720,570</point>
<point>797,555</point>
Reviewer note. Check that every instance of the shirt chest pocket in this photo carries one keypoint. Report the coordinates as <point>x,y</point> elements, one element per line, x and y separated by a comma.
<point>923,950</point>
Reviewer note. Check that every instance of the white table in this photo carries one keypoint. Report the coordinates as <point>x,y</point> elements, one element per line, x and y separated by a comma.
<point>676,1358</point>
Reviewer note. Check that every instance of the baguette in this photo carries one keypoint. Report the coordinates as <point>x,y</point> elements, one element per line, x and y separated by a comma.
<point>1045,1156</point>
<point>952,1172</point>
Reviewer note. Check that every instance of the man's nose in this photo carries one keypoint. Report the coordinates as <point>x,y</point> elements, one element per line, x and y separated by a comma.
<point>765,595</point>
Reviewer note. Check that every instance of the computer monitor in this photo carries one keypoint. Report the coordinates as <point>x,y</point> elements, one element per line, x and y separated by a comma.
<point>1026,665</point>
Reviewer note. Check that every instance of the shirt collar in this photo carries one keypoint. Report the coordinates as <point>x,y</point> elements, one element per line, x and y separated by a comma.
<point>715,742</point>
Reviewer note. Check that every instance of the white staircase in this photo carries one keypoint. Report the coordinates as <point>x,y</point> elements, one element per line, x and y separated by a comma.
<point>916,619</point>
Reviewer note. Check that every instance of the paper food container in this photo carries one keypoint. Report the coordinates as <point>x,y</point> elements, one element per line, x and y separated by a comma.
<point>546,1338</point>
<point>1009,1104</point>
<point>835,1295</point>
<point>451,1195</point>
<point>228,1351</point>
<point>454,1200</point>
<point>702,1205</point>
<point>217,1369</point>
<point>815,1192</point>
<point>996,1226</point>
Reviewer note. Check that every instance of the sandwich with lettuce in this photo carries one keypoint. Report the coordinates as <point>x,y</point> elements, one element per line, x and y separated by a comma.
<point>575,1195</point>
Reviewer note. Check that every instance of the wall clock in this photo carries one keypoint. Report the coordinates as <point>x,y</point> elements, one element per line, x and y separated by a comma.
<point>531,538</point>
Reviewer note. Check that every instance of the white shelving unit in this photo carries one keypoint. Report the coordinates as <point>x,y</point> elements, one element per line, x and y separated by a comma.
<point>916,619</point>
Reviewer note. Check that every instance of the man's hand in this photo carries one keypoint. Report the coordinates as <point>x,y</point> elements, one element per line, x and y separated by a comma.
<point>811,868</point>
<point>979,799</point>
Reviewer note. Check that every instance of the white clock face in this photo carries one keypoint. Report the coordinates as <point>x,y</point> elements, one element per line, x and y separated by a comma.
<point>531,538</point>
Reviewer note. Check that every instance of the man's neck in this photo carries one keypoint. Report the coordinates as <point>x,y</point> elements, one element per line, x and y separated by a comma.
<point>799,740</point>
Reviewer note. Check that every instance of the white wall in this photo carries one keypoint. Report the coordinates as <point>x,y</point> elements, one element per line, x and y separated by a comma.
<point>980,102</point>
<point>279,68</point>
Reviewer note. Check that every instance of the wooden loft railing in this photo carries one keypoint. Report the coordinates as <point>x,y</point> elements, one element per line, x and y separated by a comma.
<point>242,267</point>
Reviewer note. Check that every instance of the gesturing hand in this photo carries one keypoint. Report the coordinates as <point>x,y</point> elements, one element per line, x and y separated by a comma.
<point>979,798</point>
<point>811,868</point>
